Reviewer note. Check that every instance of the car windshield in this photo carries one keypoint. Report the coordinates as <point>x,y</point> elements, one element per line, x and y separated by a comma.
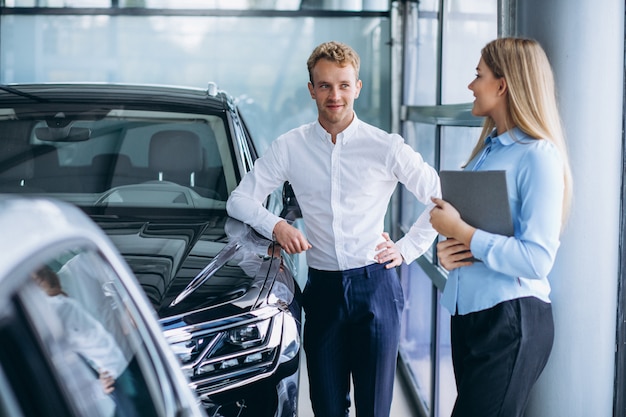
<point>119,157</point>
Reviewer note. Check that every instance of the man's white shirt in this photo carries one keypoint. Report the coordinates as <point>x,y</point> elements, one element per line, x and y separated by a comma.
<point>343,190</point>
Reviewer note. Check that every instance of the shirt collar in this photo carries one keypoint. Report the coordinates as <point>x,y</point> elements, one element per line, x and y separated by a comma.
<point>343,136</point>
<point>509,137</point>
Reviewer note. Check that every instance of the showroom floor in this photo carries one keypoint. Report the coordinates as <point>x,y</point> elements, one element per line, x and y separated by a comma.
<point>400,407</point>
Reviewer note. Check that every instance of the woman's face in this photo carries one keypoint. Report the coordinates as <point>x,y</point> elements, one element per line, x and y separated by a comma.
<point>488,91</point>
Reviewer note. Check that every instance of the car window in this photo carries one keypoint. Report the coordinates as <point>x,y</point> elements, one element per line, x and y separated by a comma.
<point>98,346</point>
<point>9,406</point>
<point>122,158</point>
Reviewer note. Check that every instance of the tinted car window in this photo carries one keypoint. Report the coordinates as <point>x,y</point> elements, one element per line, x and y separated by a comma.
<point>86,327</point>
<point>8,403</point>
<point>91,154</point>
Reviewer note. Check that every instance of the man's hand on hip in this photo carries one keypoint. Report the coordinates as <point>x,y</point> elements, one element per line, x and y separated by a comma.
<point>388,252</point>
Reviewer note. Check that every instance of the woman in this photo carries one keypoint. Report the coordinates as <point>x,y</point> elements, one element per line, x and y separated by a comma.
<point>501,327</point>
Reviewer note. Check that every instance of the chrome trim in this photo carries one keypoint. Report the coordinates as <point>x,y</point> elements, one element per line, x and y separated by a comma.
<point>184,333</point>
<point>225,255</point>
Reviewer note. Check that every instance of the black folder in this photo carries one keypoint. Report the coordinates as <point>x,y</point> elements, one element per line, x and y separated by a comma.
<point>481,198</point>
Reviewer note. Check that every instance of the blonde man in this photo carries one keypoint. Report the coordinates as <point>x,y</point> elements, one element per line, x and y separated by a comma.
<point>343,172</point>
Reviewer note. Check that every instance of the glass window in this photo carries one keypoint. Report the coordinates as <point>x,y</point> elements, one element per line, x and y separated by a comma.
<point>429,5</point>
<point>109,151</point>
<point>420,137</point>
<point>57,3</point>
<point>446,382</point>
<point>346,5</point>
<point>267,74</point>
<point>416,340</point>
<point>214,4</point>
<point>342,5</point>
<point>8,402</point>
<point>469,25</point>
<point>456,145</point>
<point>445,139</point>
<point>421,55</point>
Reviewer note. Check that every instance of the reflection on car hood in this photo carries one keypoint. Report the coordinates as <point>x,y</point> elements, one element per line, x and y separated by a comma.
<point>168,255</point>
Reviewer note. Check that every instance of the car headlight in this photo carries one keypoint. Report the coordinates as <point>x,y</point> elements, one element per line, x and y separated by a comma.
<point>188,350</point>
<point>249,335</point>
<point>251,348</point>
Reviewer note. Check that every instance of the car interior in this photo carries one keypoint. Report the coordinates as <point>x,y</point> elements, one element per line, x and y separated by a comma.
<point>119,152</point>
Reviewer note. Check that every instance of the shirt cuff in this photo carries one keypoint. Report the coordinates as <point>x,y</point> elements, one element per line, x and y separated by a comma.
<point>267,229</point>
<point>410,251</point>
<point>481,243</point>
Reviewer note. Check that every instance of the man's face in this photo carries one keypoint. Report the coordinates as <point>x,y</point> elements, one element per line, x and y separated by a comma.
<point>334,90</point>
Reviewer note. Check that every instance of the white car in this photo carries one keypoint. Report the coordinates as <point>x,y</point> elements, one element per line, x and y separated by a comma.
<point>78,336</point>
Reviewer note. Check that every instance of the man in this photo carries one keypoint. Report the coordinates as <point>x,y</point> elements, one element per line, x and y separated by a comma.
<point>343,172</point>
<point>84,333</point>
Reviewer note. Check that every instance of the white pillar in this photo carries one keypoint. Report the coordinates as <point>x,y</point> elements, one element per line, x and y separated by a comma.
<point>584,40</point>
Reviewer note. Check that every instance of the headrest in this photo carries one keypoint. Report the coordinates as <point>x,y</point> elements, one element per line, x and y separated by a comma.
<point>111,162</point>
<point>175,150</point>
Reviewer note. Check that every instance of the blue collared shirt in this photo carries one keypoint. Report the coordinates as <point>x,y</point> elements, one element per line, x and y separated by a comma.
<point>514,266</point>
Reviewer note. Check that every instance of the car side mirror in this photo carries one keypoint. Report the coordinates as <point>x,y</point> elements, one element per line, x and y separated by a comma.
<point>291,208</point>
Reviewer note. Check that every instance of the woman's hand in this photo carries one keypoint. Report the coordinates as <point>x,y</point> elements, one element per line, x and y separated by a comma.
<point>447,221</point>
<point>388,252</point>
<point>453,254</point>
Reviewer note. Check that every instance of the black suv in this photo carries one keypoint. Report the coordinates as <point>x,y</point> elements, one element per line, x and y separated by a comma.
<point>153,166</point>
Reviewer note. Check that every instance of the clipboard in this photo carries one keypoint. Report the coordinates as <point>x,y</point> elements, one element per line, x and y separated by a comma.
<point>481,197</point>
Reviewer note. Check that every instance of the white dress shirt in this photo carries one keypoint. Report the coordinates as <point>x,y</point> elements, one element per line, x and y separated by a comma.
<point>88,337</point>
<point>343,190</point>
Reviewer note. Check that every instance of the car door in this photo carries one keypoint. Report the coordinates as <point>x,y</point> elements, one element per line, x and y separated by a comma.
<point>75,344</point>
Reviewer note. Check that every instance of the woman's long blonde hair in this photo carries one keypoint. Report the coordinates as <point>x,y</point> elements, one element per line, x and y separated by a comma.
<point>531,97</point>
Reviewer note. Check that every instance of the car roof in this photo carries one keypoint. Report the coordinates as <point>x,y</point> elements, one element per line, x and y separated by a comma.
<point>32,225</point>
<point>135,95</point>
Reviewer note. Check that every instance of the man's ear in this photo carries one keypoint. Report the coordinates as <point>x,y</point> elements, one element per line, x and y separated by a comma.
<point>359,85</point>
<point>311,90</point>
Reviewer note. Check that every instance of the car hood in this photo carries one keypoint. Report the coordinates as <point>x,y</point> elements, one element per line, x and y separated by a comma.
<point>209,269</point>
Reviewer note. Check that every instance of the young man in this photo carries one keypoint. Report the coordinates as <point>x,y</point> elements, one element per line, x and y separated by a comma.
<point>343,172</point>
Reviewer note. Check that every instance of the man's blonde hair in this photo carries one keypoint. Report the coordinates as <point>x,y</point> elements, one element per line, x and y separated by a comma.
<point>337,52</point>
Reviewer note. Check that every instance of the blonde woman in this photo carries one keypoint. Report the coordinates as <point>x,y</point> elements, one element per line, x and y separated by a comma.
<point>501,328</point>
